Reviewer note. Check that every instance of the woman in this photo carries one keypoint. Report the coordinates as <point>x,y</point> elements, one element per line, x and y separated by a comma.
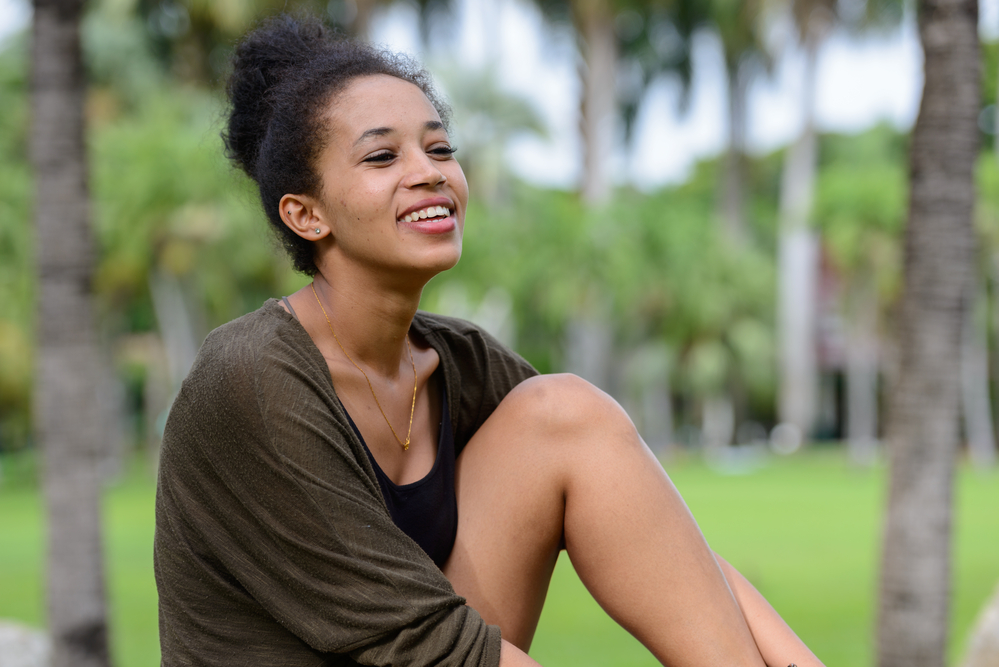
<point>347,480</point>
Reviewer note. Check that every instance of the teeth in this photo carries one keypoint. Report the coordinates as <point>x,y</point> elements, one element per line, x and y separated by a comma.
<point>430,212</point>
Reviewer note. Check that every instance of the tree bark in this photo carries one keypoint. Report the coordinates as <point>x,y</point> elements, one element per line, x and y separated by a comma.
<point>67,410</point>
<point>922,428</point>
<point>595,23</point>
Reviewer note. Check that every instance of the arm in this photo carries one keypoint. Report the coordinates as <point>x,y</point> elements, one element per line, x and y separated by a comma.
<point>511,656</point>
<point>777,642</point>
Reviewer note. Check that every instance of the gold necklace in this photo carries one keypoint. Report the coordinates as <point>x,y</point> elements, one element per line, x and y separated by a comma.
<point>412,408</point>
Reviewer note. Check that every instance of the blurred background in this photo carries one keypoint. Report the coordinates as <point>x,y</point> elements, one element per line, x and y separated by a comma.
<point>698,206</point>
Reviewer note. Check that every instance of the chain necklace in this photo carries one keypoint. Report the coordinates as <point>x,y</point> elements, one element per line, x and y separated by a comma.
<point>412,408</point>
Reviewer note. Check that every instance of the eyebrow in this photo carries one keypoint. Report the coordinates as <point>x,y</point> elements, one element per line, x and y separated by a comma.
<point>429,126</point>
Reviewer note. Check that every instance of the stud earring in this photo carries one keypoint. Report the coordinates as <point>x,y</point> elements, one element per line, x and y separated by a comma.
<point>318,231</point>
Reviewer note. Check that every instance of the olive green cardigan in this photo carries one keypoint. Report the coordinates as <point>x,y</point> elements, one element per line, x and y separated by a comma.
<point>273,542</point>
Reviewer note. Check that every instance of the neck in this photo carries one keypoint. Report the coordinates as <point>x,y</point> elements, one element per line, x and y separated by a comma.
<point>371,318</point>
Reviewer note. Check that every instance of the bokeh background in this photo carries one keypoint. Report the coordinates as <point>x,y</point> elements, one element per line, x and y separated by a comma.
<point>698,206</point>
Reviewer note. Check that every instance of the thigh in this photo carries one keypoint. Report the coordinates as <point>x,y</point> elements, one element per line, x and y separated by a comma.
<point>510,517</point>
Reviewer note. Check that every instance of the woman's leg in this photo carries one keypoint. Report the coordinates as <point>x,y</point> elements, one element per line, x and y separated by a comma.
<point>559,462</point>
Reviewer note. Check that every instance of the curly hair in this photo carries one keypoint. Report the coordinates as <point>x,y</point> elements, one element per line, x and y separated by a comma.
<point>285,74</point>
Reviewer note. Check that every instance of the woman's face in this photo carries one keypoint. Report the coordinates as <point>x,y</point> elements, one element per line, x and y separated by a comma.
<point>393,195</point>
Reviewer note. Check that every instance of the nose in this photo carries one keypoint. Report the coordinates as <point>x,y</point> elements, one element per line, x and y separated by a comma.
<point>422,170</point>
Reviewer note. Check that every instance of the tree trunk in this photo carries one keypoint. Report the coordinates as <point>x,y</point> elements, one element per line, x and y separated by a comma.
<point>862,375</point>
<point>181,339</point>
<point>922,428</point>
<point>976,407</point>
<point>589,348</point>
<point>67,410</point>
<point>595,23</point>
<point>646,393</point>
<point>798,272</point>
<point>733,196</point>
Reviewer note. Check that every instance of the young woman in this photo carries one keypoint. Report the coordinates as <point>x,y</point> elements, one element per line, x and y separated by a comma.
<point>347,480</point>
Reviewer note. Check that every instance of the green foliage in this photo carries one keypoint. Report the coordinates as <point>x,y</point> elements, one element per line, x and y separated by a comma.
<point>16,250</point>
<point>165,200</point>
<point>860,208</point>
<point>990,71</point>
<point>987,206</point>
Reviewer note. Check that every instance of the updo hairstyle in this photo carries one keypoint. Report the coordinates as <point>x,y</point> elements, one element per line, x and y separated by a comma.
<point>285,74</point>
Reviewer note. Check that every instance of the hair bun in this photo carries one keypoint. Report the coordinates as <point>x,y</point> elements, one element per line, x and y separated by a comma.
<point>278,44</point>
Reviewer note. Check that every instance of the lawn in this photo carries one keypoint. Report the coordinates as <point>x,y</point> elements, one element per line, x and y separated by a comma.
<point>804,529</point>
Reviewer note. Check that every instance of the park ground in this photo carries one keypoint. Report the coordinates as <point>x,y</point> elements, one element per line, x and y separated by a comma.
<point>804,529</point>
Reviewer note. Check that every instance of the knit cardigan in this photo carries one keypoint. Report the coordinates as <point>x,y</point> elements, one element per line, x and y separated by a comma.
<point>273,542</point>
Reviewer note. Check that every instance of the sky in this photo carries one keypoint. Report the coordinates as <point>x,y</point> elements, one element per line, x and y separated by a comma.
<point>860,82</point>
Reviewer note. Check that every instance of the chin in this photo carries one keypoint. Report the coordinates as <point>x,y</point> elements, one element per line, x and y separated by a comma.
<point>445,261</point>
<point>434,261</point>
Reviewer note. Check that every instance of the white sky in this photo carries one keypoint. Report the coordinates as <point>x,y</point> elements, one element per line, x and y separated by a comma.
<point>860,83</point>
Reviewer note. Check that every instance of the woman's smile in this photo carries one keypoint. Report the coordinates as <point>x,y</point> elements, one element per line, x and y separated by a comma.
<point>432,216</point>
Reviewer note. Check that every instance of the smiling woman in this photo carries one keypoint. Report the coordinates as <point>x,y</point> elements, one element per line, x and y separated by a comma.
<point>296,525</point>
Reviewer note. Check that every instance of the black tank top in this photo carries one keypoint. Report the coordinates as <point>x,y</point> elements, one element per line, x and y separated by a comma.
<point>426,510</point>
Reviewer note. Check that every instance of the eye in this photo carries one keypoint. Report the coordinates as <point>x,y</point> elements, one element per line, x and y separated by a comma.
<point>443,151</point>
<point>382,156</point>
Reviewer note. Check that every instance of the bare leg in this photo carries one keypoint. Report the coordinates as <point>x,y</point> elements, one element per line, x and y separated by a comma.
<point>777,642</point>
<point>560,461</point>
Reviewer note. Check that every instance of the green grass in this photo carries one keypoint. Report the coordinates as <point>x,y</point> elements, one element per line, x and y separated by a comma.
<point>803,529</point>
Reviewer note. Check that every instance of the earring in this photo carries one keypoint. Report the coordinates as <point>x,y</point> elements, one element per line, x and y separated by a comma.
<point>318,230</point>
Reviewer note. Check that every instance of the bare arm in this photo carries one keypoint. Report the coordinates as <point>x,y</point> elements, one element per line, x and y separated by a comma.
<point>511,656</point>
<point>777,642</point>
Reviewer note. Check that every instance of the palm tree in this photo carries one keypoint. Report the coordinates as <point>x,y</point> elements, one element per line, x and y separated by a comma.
<point>738,25</point>
<point>922,428</point>
<point>593,23</point>
<point>798,243</point>
<point>67,412</point>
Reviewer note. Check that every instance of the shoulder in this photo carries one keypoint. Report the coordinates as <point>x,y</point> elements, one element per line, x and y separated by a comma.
<point>464,341</point>
<point>251,332</point>
<point>246,356</point>
<point>249,378</point>
<point>262,334</point>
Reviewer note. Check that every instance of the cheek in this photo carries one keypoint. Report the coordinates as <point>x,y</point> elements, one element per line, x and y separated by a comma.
<point>460,184</point>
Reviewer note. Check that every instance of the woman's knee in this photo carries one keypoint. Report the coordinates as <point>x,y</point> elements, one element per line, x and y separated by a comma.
<point>566,404</point>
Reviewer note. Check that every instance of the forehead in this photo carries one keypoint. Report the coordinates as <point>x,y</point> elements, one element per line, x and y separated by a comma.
<point>380,101</point>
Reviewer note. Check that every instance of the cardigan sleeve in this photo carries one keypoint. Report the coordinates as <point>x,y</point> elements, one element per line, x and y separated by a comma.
<point>273,542</point>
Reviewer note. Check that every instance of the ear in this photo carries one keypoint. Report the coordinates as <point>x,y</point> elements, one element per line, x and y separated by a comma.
<point>304,216</point>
